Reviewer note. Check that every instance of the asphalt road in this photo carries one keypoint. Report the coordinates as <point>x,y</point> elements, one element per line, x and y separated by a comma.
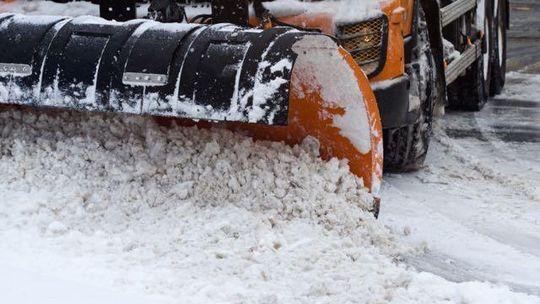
<point>509,119</point>
<point>524,36</point>
<point>475,206</point>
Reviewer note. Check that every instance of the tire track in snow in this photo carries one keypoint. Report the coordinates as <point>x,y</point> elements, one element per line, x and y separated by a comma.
<point>519,186</point>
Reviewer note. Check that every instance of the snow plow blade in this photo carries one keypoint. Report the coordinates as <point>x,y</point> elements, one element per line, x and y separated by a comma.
<point>275,84</point>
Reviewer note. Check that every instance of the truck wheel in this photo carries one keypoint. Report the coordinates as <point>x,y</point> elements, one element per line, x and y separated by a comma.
<point>470,91</point>
<point>405,148</point>
<point>498,64</point>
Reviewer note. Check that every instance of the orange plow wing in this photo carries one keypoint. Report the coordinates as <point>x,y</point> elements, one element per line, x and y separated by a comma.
<point>331,100</point>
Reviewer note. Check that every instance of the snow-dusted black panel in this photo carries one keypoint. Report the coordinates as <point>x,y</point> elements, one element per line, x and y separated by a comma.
<point>145,67</point>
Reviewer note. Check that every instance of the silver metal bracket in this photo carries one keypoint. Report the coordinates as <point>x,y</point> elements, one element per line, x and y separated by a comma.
<point>467,58</point>
<point>455,10</point>
<point>144,79</point>
<point>15,69</point>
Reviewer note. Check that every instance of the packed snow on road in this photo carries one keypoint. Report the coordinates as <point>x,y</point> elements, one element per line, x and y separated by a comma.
<point>102,208</point>
<point>475,205</point>
<point>118,209</point>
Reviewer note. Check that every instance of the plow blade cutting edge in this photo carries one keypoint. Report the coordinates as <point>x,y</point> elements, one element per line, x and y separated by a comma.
<point>275,84</point>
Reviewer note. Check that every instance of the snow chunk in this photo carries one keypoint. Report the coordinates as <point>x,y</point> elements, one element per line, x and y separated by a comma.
<point>197,216</point>
<point>57,228</point>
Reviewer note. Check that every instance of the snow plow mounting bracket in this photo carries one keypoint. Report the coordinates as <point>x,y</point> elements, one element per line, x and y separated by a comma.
<point>455,10</point>
<point>119,10</point>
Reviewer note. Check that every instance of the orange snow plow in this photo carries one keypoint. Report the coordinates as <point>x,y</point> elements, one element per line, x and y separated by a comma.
<point>275,83</point>
<point>347,125</point>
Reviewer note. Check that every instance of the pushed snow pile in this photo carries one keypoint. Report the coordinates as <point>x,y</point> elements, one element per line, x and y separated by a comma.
<point>183,215</point>
<point>130,164</point>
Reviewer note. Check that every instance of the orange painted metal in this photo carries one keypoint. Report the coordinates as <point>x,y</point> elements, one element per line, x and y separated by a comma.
<point>394,64</point>
<point>2,9</point>
<point>321,21</point>
<point>408,5</point>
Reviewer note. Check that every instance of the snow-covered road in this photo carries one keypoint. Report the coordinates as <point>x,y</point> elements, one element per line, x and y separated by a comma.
<point>476,205</point>
<point>114,209</point>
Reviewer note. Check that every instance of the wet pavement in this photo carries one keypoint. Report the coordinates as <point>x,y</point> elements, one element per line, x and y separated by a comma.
<point>524,36</point>
<point>510,117</point>
<point>474,209</point>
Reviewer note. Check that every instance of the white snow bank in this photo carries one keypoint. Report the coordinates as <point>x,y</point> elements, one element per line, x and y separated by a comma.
<point>195,216</point>
<point>22,286</point>
<point>204,207</point>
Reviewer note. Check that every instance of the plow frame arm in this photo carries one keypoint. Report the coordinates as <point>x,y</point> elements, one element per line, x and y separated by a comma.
<point>223,11</point>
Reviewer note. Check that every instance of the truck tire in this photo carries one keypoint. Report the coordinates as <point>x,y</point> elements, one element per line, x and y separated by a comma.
<point>498,64</point>
<point>470,91</point>
<point>405,148</point>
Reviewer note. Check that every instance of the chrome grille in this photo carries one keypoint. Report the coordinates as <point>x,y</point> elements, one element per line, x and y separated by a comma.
<point>366,41</point>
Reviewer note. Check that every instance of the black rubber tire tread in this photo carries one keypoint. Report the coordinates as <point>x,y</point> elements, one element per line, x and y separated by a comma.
<point>405,148</point>
<point>470,91</point>
<point>498,65</point>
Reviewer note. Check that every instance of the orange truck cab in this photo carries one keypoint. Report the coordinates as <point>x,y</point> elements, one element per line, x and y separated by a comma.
<point>399,46</point>
<point>375,33</point>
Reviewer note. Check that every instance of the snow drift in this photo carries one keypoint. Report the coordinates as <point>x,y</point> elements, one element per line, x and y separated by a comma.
<point>196,216</point>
